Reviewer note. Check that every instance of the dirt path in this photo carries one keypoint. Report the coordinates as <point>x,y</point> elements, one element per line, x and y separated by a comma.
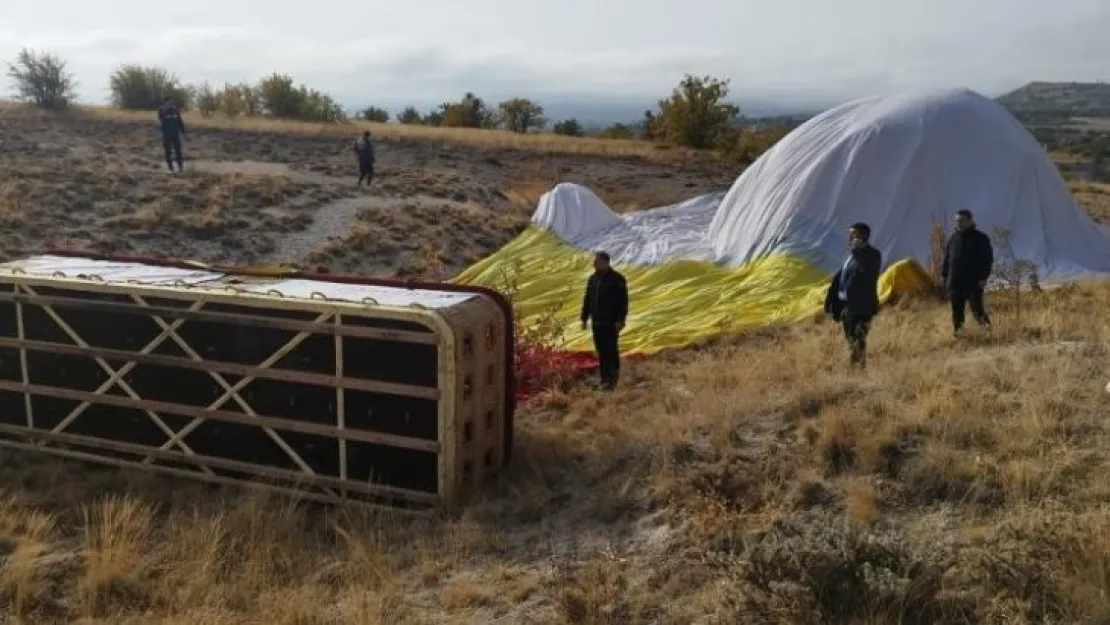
<point>260,168</point>
<point>331,222</point>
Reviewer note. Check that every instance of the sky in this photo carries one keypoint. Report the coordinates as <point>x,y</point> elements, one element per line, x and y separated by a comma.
<point>782,54</point>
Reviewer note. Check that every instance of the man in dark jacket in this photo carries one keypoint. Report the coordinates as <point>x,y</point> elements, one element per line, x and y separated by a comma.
<point>606,304</point>
<point>364,148</point>
<point>853,295</point>
<point>968,260</point>
<point>173,129</point>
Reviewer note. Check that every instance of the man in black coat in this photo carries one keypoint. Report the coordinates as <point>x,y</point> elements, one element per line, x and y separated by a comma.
<point>853,295</point>
<point>173,129</point>
<point>968,260</point>
<point>606,304</point>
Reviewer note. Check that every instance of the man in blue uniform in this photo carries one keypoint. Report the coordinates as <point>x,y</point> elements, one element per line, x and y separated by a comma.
<point>173,129</point>
<point>364,148</point>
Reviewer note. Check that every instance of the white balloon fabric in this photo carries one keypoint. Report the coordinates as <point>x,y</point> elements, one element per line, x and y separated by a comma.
<point>898,163</point>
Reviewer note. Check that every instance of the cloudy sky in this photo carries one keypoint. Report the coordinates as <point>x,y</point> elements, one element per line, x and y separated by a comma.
<point>786,52</point>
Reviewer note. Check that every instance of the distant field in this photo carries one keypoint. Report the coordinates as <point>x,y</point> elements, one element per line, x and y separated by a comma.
<point>478,138</point>
<point>1100,124</point>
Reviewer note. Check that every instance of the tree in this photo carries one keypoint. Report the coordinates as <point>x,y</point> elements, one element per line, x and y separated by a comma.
<point>280,96</point>
<point>409,116</point>
<point>375,114</point>
<point>206,100</point>
<point>433,117</point>
<point>240,99</point>
<point>469,112</point>
<point>320,107</point>
<point>142,88</point>
<point>696,114</point>
<point>521,114</point>
<point>568,127</point>
<point>42,79</point>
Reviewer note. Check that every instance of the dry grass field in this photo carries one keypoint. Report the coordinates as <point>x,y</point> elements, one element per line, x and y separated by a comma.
<point>749,480</point>
<point>275,192</point>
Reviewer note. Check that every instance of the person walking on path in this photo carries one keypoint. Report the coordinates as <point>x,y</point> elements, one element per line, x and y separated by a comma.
<point>605,304</point>
<point>968,261</point>
<point>364,148</point>
<point>853,295</point>
<point>173,129</point>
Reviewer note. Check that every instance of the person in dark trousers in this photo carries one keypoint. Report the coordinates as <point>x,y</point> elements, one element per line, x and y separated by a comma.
<point>605,304</point>
<point>364,148</point>
<point>968,260</point>
<point>173,129</point>
<point>853,295</point>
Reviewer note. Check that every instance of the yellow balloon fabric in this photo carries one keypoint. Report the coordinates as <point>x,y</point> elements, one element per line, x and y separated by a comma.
<point>671,304</point>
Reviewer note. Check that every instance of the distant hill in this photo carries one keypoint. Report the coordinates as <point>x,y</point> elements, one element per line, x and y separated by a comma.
<point>1043,101</point>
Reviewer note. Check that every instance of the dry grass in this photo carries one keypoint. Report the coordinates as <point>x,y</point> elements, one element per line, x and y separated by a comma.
<point>470,137</point>
<point>1094,197</point>
<point>750,480</point>
<point>253,193</point>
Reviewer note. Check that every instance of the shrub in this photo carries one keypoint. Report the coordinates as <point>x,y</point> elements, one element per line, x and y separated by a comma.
<point>469,112</point>
<point>745,145</point>
<point>617,131</point>
<point>409,116</point>
<point>540,346</point>
<point>433,118</point>
<point>1013,272</point>
<point>142,88</point>
<point>568,127</point>
<point>240,99</point>
<point>42,80</point>
<point>374,114</point>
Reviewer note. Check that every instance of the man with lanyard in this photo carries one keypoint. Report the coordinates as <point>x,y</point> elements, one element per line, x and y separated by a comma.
<point>853,295</point>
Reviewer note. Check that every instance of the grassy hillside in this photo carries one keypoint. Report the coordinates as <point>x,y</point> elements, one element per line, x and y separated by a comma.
<point>1046,100</point>
<point>753,479</point>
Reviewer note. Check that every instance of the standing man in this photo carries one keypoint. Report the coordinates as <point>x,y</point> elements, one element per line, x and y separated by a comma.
<point>364,148</point>
<point>968,260</point>
<point>853,295</point>
<point>173,129</point>
<point>606,304</point>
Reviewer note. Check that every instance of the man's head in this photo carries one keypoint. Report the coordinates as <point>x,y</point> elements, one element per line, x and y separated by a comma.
<point>859,234</point>
<point>964,220</point>
<point>366,134</point>
<point>601,261</point>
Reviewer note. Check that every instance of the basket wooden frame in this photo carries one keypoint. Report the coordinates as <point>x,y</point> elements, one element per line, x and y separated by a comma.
<point>453,482</point>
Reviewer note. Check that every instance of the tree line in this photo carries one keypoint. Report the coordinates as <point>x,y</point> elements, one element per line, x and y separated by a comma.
<point>697,113</point>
